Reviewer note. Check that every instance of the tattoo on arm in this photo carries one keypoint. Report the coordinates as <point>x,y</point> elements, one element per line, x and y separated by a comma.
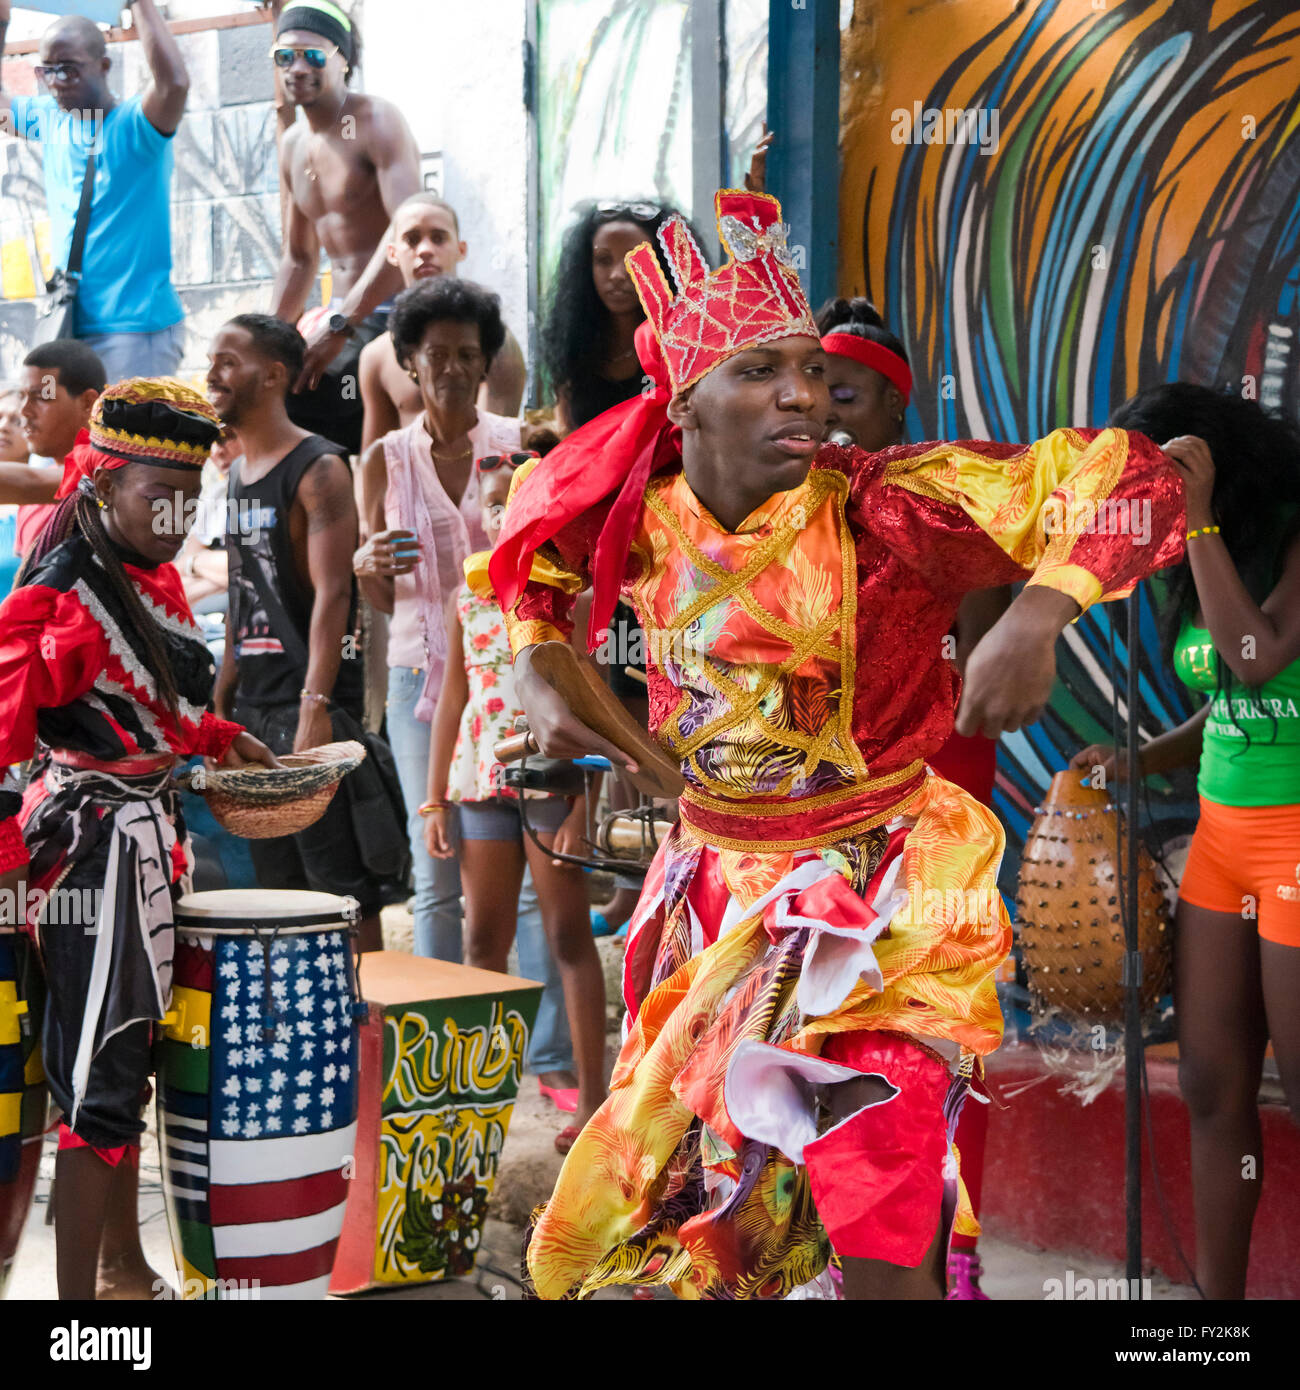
<point>326,492</point>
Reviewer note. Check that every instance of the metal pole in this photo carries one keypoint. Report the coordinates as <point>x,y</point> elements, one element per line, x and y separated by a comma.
<point>533,206</point>
<point>709,116</point>
<point>803,108</point>
<point>1133,984</point>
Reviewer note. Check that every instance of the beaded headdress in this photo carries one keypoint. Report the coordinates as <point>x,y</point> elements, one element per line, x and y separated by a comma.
<point>155,420</point>
<point>753,298</point>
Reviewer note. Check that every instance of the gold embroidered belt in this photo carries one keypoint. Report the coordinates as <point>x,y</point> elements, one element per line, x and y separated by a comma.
<point>800,822</point>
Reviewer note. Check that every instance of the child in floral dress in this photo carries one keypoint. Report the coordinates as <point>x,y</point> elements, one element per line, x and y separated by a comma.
<point>477,708</point>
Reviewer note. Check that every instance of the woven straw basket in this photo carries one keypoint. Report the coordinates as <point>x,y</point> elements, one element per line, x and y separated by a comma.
<point>260,803</point>
<point>1069,909</point>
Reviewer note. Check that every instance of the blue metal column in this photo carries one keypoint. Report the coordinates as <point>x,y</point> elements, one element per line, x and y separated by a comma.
<point>803,108</point>
<point>708,35</point>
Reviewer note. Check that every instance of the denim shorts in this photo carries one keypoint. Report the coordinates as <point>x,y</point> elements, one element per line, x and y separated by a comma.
<point>498,819</point>
<point>139,354</point>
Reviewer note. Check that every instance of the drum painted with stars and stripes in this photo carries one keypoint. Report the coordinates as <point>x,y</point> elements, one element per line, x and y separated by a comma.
<point>22,1088</point>
<point>257,1091</point>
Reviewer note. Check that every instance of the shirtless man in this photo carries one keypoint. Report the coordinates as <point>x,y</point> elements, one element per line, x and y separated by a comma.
<point>347,171</point>
<point>424,241</point>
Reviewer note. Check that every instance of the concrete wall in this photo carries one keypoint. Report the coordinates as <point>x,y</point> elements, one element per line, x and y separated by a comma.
<point>225,198</point>
<point>457,72</point>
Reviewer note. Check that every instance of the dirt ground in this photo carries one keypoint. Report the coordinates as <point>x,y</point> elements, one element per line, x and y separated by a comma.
<point>527,1172</point>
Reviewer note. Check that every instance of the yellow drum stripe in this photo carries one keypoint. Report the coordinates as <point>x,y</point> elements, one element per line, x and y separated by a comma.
<point>9,1012</point>
<point>190,1017</point>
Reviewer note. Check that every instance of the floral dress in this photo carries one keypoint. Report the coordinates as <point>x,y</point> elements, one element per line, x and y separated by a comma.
<point>491,709</point>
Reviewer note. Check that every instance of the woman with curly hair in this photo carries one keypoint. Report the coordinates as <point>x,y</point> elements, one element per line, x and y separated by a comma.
<point>594,312</point>
<point>1230,626</point>
<point>422,517</point>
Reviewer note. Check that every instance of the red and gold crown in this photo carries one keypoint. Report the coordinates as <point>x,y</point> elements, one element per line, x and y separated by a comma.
<point>754,298</point>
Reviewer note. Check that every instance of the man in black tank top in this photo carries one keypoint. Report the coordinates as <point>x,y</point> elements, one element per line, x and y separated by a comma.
<point>291,665</point>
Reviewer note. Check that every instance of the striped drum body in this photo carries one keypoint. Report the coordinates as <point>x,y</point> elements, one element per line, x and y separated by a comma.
<point>257,1091</point>
<point>22,1088</point>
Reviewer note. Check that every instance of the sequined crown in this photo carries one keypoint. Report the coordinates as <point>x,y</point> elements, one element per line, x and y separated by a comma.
<point>754,298</point>
<point>154,420</point>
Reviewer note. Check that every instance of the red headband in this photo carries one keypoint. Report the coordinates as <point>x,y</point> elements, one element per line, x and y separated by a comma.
<point>83,462</point>
<point>874,355</point>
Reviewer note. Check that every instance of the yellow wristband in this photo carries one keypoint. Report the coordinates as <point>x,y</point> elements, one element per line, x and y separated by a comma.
<point>1203,531</point>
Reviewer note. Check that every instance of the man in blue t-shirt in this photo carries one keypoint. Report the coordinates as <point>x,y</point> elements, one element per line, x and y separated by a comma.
<point>127,310</point>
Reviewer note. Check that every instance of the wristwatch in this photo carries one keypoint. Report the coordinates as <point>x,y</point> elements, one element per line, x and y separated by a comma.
<point>339,323</point>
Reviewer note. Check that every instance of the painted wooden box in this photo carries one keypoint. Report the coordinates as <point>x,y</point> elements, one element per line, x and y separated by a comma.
<point>441,1058</point>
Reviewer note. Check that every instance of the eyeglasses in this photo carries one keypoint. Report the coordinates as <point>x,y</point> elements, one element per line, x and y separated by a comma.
<point>282,56</point>
<point>58,72</point>
<point>639,212</point>
<point>489,462</point>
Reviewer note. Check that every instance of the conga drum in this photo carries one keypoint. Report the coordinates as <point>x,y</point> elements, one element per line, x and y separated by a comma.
<point>22,1088</point>
<point>442,1053</point>
<point>257,1091</point>
<point>1069,909</point>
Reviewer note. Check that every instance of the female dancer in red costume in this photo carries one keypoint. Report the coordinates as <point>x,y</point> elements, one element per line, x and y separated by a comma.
<point>104,675</point>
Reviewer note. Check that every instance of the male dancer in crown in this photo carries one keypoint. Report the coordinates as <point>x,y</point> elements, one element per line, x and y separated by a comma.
<point>809,972</point>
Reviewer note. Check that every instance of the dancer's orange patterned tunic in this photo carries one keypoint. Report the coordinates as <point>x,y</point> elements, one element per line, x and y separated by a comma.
<point>825,907</point>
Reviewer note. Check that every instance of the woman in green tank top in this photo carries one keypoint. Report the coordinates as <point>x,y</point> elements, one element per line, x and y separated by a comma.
<point>1231,625</point>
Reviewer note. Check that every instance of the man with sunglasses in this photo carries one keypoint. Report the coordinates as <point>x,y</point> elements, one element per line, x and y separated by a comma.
<point>127,310</point>
<point>348,167</point>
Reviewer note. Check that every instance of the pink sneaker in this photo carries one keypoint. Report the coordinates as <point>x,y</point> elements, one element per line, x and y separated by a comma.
<point>964,1276</point>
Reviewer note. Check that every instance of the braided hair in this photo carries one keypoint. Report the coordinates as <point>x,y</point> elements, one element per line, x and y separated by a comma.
<point>79,513</point>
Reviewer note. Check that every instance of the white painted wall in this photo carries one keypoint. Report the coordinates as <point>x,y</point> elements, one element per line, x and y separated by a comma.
<point>455,67</point>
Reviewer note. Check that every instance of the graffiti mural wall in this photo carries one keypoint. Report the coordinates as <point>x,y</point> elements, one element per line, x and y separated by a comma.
<point>1055,204</point>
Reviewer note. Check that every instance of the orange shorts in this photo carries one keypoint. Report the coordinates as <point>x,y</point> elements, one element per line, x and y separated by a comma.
<point>1245,860</point>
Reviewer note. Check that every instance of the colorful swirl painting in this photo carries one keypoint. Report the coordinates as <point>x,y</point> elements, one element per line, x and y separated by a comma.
<point>1059,203</point>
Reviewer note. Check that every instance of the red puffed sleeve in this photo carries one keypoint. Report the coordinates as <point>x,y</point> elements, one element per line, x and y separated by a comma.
<point>213,737</point>
<point>51,650</point>
<point>1085,512</point>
